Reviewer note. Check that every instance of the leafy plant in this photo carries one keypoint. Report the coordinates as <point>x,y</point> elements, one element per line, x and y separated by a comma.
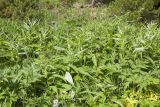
<point>79,61</point>
<point>141,10</point>
<point>22,9</point>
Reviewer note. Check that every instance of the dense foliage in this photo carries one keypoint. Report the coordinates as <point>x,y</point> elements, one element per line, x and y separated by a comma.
<point>22,9</point>
<point>59,56</point>
<point>111,63</point>
<point>141,10</point>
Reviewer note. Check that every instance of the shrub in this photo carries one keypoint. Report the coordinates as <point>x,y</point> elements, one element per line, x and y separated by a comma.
<point>141,10</point>
<point>21,9</point>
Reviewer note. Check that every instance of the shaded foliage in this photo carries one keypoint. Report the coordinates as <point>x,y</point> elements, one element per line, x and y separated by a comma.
<point>141,10</point>
<point>21,9</point>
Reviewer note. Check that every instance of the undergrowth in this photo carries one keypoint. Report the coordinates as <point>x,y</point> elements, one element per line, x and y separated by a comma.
<point>112,63</point>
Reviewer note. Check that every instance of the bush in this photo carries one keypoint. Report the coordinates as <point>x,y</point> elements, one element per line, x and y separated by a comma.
<point>141,10</point>
<point>21,9</point>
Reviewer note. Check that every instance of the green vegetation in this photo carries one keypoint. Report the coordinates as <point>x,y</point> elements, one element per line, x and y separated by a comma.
<point>141,10</point>
<point>24,9</point>
<point>78,57</point>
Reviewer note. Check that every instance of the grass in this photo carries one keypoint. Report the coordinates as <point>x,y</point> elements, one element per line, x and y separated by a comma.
<point>111,62</point>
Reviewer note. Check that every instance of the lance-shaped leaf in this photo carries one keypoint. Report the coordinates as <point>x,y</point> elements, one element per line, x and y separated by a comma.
<point>68,77</point>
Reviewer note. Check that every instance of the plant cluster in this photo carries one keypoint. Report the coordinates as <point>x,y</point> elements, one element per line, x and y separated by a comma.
<point>141,10</point>
<point>79,62</point>
<point>22,9</point>
<point>82,58</point>
<point>138,10</point>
